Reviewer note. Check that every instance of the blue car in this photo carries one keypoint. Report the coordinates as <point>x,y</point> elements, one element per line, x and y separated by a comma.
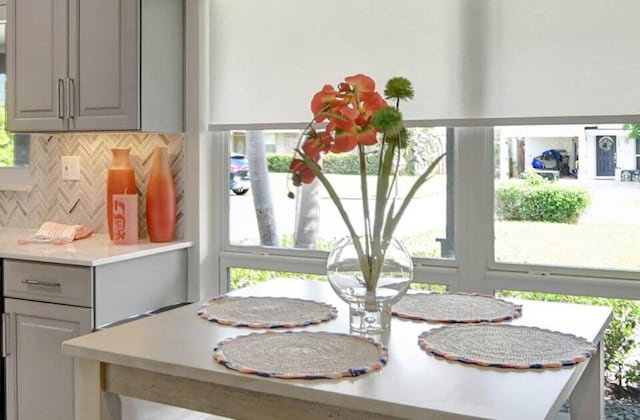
<point>239,180</point>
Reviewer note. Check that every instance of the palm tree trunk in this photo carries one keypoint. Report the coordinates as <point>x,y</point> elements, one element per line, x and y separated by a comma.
<point>261,189</point>
<point>307,215</point>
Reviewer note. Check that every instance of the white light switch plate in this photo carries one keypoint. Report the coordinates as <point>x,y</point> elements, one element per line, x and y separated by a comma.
<point>70,168</point>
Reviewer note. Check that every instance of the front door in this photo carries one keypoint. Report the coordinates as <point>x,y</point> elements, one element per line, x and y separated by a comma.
<point>605,155</point>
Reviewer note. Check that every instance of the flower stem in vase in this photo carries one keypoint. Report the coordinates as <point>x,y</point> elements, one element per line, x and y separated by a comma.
<point>370,269</point>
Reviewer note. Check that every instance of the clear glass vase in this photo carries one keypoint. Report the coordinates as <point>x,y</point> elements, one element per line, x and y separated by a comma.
<point>369,306</point>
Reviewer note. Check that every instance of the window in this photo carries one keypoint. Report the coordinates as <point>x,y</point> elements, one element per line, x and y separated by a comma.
<point>310,220</point>
<point>471,72</point>
<point>14,148</point>
<point>540,255</point>
<point>446,239</point>
<point>583,214</point>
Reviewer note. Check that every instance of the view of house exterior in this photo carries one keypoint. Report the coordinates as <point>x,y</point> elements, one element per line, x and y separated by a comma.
<point>589,152</point>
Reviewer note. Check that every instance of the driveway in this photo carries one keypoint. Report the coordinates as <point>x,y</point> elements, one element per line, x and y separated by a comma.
<point>611,201</point>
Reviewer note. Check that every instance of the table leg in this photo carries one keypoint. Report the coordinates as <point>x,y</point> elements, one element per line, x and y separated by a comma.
<point>91,402</point>
<point>587,399</point>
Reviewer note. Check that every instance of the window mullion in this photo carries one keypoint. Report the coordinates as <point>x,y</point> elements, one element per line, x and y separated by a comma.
<point>474,168</point>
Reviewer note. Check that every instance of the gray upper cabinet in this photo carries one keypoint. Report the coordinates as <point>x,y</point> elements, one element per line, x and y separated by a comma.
<point>84,65</point>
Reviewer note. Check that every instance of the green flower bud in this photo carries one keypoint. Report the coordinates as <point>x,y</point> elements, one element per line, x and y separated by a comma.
<point>398,88</point>
<point>400,139</point>
<point>388,120</point>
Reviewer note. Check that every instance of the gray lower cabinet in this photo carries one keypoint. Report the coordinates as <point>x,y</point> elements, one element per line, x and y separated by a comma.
<point>46,304</point>
<point>34,362</point>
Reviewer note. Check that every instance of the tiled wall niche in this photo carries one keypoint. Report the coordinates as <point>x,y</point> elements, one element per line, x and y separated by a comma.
<point>83,202</point>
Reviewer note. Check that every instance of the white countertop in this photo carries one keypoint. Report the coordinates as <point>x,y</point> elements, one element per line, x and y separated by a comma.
<point>95,250</point>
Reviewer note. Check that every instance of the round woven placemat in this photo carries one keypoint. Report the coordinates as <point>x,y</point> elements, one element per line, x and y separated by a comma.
<point>301,354</point>
<point>455,308</point>
<point>266,312</point>
<point>506,346</point>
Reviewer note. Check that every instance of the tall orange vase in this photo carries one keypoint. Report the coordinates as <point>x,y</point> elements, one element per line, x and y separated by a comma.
<point>121,179</point>
<point>161,198</point>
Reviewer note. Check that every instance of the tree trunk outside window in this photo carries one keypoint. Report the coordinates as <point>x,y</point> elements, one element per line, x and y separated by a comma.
<point>261,189</point>
<point>307,215</point>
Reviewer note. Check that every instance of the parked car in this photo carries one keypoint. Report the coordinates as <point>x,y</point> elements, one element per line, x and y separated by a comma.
<point>239,180</point>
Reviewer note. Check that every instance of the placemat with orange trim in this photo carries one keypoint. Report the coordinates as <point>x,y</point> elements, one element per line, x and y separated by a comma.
<point>301,354</point>
<point>455,308</point>
<point>266,312</point>
<point>506,346</point>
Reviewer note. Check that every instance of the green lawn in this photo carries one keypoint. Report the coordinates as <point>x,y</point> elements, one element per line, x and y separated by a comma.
<point>605,246</point>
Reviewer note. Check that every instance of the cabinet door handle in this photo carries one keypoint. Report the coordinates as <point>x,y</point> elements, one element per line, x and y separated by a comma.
<point>60,98</point>
<point>40,283</point>
<point>5,332</point>
<point>71,99</point>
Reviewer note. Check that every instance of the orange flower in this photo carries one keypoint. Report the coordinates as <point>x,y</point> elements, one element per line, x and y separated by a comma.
<point>371,105</point>
<point>364,84</point>
<point>348,110</point>
<point>300,168</point>
<point>345,141</point>
<point>343,117</point>
<point>317,143</point>
<point>321,100</point>
<point>367,136</point>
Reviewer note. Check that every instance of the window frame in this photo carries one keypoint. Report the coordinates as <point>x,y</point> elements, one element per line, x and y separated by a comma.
<point>474,268</point>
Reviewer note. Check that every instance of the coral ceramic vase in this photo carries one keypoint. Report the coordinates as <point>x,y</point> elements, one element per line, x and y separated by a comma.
<point>121,179</point>
<point>161,198</point>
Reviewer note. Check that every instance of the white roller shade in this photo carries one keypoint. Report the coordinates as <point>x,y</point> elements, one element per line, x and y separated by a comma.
<point>471,61</point>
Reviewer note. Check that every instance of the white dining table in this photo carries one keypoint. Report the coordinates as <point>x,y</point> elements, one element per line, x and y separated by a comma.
<point>168,358</point>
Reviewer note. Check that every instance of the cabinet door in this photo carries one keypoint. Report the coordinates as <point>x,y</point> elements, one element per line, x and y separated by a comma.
<point>36,64</point>
<point>39,377</point>
<point>103,65</point>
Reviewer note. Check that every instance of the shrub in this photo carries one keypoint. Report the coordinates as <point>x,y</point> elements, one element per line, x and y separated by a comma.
<point>538,200</point>
<point>343,164</point>
<point>277,162</point>
<point>533,179</point>
<point>620,342</point>
<point>348,164</point>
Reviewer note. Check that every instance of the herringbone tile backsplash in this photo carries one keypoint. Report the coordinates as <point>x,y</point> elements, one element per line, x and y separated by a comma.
<point>84,201</point>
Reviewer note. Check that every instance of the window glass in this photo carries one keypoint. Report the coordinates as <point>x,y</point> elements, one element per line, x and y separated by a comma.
<point>261,211</point>
<point>14,148</point>
<point>6,140</point>
<point>241,277</point>
<point>567,195</point>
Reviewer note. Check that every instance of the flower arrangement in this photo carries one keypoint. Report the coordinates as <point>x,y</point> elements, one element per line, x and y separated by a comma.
<point>359,118</point>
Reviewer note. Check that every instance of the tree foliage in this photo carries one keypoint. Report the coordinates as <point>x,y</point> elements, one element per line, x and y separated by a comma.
<point>634,130</point>
<point>6,142</point>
